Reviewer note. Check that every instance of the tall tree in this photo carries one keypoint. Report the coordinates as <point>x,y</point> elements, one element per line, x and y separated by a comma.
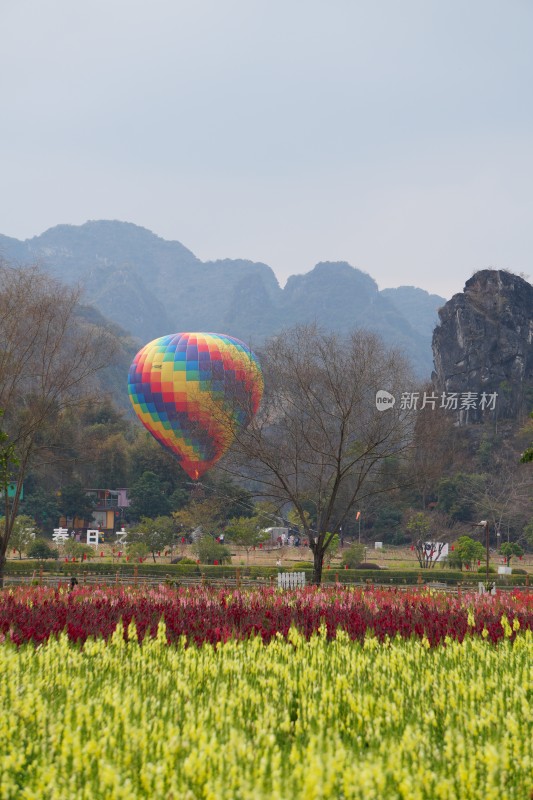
<point>206,514</point>
<point>438,446</point>
<point>156,534</point>
<point>319,437</point>
<point>74,502</point>
<point>22,534</point>
<point>467,552</point>
<point>148,498</point>
<point>42,506</point>
<point>247,532</point>
<point>427,552</point>
<point>48,357</point>
<point>510,549</point>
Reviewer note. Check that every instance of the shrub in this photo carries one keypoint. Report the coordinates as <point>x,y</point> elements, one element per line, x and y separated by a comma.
<point>41,550</point>
<point>367,565</point>
<point>492,570</point>
<point>353,556</point>
<point>137,549</point>
<point>209,551</point>
<point>77,549</point>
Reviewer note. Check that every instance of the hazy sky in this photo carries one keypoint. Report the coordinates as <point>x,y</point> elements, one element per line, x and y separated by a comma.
<point>393,134</point>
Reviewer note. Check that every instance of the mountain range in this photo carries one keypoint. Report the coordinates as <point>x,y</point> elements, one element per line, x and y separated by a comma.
<point>150,287</point>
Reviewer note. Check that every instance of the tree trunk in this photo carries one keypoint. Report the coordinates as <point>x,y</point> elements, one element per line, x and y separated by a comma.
<point>2,567</point>
<point>318,561</point>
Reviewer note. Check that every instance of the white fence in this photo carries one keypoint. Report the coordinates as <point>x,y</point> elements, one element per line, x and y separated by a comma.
<point>291,580</point>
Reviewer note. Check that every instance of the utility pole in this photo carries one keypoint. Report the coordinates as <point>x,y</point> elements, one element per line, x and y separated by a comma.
<point>485,523</point>
<point>487,546</point>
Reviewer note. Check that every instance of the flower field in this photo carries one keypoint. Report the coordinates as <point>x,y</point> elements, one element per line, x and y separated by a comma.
<point>310,694</point>
<point>207,615</point>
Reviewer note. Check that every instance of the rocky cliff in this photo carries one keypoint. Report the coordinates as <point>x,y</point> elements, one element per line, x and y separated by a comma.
<point>483,348</point>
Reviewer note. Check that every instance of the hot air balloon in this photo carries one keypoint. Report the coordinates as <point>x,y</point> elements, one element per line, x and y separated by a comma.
<point>193,392</point>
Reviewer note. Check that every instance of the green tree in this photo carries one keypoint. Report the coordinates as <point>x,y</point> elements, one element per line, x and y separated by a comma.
<point>466,552</point>
<point>42,506</point>
<point>148,498</point>
<point>419,525</point>
<point>247,532</point>
<point>41,550</point>
<point>458,495</point>
<point>110,462</point>
<point>387,525</point>
<point>333,549</point>
<point>147,455</point>
<point>206,514</point>
<point>156,534</point>
<point>23,533</point>
<point>75,502</point>
<point>527,456</point>
<point>510,549</point>
<point>74,549</point>
<point>237,501</point>
<point>137,549</point>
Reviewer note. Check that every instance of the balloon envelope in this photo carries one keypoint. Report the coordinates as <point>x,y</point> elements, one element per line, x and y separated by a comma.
<point>193,391</point>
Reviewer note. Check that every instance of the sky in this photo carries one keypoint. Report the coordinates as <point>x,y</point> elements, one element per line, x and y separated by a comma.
<point>393,135</point>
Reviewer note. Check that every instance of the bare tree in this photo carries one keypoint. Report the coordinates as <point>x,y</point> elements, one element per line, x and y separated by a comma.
<point>504,498</point>
<point>438,446</point>
<point>48,357</point>
<point>319,438</point>
<point>429,533</point>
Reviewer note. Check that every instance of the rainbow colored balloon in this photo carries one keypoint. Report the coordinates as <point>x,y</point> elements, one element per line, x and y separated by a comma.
<point>193,392</point>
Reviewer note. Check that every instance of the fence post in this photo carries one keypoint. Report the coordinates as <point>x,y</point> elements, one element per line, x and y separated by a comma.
<point>135,574</point>
<point>238,577</point>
